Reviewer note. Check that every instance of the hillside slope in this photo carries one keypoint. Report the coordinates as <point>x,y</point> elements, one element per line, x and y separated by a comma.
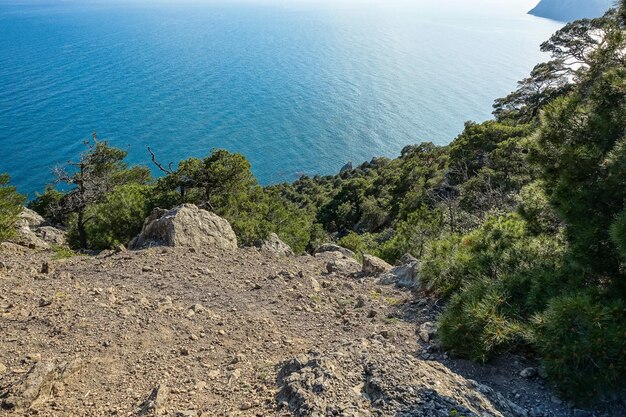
<point>569,10</point>
<point>180,332</point>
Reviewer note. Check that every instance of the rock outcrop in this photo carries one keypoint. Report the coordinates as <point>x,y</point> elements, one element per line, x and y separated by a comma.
<point>40,384</point>
<point>33,232</point>
<point>374,266</point>
<point>404,274</point>
<point>368,379</point>
<point>275,246</point>
<point>185,226</point>
<point>331,247</point>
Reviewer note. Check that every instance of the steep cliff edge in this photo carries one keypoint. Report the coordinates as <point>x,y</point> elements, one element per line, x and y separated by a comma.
<point>569,10</point>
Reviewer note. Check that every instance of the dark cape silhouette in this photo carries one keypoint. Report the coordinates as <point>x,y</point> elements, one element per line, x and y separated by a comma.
<point>569,10</point>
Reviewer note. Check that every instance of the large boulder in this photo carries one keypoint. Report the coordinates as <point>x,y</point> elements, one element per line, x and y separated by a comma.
<point>339,264</point>
<point>275,246</point>
<point>331,247</point>
<point>29,218</point>
<point>32,231</point>
<point>185,226</point>
<point>374,266</point>
<point>404,274</point>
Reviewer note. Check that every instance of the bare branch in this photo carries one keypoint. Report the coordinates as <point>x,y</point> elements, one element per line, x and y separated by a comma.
<point>167,170</point>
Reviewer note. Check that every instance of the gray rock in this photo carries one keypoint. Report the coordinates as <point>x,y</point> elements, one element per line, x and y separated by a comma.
<point>322,384</point>
<point>274,245</point>
<point>406,275</point>
<point>155,403</point>
<point>373,265</point>
<point>315,285</point>
<point>51,235</point>
<point>185,226</point>
<point>343,266</point>
<point>347,167</point>
<point>407,258</point>
<point>331,247</point>
<point>528,372</point>
<point>35,389</point>
<point>427,331</point>
<point>33,233</point>
<point>30,218</point>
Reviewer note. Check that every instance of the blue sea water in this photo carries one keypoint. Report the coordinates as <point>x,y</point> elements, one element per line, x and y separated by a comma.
<point>298,87</point>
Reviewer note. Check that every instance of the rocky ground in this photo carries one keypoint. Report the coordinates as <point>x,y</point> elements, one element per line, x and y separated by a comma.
<point>184,332</point>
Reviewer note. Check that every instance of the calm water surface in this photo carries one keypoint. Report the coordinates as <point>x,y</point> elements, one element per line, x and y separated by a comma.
<point>296,87</point>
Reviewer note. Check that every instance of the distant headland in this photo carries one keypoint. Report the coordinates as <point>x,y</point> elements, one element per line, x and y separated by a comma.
<point>569,10</point>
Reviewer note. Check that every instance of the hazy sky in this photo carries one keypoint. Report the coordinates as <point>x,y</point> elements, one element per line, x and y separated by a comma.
<point>508,5</point>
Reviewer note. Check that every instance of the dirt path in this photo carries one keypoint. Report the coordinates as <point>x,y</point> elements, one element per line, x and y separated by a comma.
<point>177,332</point>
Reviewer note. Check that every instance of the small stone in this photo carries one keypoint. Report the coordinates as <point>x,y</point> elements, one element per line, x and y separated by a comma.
<point>45,302</point>
<point>427,331</point>
<point>315,285</point>
<point>200,385</point>
<point>187,413</point>
<point>528,372</point>
<point>33,357</point>
<point>246,406</point>
<point>3,369</point>
<point>556,400</point>
<point>147,269</point>
<point>46,268</point>
<point>197,308</point>
<point>360,302</point>
<point>239,358</point>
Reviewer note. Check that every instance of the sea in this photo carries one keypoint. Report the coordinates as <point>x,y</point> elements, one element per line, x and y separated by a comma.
<point>299,87</point>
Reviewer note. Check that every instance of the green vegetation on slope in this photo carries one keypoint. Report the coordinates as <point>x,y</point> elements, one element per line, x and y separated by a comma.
<point>519,223</point>
<point>10,207</point>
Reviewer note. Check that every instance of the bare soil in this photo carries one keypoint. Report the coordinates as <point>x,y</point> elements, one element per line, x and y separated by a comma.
<point>179,332</point>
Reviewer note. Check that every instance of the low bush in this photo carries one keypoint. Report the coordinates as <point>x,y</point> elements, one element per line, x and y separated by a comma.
<point>11,203</point>
<point>117,219</point>
<point>582,342</point>
<point>478,323</point>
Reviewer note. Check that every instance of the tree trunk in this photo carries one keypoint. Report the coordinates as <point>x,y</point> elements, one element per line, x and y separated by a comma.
<point>82,233</point>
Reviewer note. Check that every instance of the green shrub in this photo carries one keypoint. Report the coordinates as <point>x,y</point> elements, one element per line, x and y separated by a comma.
<point>446,265</point>
<point>489,251</point>
<point>359,244</point>
<point>46,203</point>
<point>583,344</point>
<point>11,203</point>
<point>618,233</point>
<point>412,235</point>
<point>477,324</point>
<point>319,236</point>
<point>117,219</point>
<point>499,277</point>
<point>534,207</point>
